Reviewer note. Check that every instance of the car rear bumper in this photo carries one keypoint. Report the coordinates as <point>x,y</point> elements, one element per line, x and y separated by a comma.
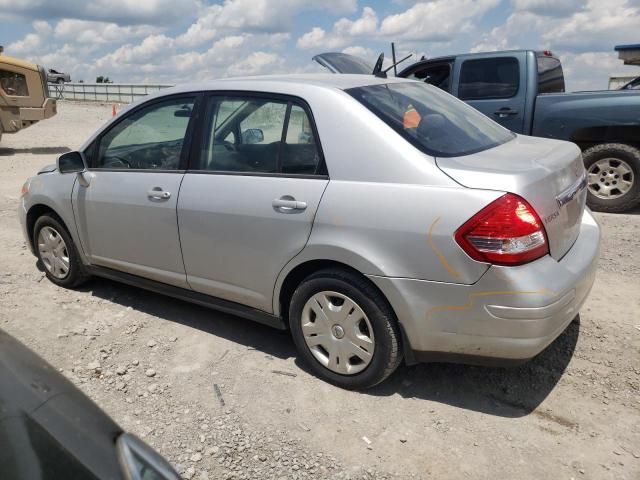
<point>511,313</point>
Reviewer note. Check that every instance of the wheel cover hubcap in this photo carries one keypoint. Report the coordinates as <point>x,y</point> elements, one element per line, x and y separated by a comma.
<point>53,252</point>
<point>610,178</point>
<point>338,333</point>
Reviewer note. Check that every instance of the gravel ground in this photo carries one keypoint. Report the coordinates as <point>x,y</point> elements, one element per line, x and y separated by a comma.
<point>222,397</point>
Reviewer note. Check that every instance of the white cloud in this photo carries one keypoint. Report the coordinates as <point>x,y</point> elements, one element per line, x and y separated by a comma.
<point>591,70</point>
<point>436,20</point>
<point>180,40</point>
<point>257,63</point>
<point>126,12</point>
<point>268,16</point>
<point>361,52</point>
<point>83,31</point>
<point>551,8</point>
<point>344,32</point>
<point>599,27</point>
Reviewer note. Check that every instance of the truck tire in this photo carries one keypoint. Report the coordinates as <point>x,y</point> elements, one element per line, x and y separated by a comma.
<point>613,171</point>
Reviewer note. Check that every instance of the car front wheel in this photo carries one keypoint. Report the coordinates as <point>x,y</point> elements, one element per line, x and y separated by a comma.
<point>57,254</point>
<point>344,329</point>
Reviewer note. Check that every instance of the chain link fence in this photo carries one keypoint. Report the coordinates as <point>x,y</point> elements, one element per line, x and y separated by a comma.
<point>103,92</point>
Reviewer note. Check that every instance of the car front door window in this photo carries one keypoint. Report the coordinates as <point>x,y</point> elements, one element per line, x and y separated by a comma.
<point>150,138</point>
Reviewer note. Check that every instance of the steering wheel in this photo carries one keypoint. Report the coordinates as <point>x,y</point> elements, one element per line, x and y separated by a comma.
<point>229,146</point>
<point>110,161</point>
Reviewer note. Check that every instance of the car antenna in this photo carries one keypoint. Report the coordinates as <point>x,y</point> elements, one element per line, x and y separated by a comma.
<point>393,58</point>
<point>396,63</point>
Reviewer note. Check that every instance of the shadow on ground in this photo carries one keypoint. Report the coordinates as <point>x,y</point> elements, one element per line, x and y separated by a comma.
<point>506,392</point>
<point>6,152</point>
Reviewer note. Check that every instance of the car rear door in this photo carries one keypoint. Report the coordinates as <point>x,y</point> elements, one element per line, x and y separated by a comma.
<point>125,207</point>
<point>247,203</point>
<point>495,84</point>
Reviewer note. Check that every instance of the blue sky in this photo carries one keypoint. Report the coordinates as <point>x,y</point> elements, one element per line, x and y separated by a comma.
<point>172,41</point>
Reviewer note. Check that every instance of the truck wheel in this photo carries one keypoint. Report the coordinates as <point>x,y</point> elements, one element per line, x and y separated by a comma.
<point>613,171</point>
<point>344,329</point>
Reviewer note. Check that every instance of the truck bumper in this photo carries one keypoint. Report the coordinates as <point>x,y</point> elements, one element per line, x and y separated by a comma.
<point>508,316</point>
<point>48,110</point>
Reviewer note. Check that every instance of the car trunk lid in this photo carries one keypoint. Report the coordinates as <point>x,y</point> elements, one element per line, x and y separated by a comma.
<point>548,174</point>
<point>337,62</point>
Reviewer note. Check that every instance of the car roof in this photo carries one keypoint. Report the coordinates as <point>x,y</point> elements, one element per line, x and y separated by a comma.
<point>269,82</point>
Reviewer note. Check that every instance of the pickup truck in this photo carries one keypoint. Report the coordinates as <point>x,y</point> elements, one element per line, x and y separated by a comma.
<point>524,90</point>
<point>53,76</point>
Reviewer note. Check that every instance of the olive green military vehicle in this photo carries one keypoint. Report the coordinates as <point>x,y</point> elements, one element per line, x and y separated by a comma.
<point>24,97</point>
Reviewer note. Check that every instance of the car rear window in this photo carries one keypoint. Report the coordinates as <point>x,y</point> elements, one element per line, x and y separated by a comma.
<point>430,119</point>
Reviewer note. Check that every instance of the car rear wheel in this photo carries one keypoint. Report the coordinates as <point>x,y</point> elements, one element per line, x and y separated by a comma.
<point>613,171</point>
<point>57,254</point>
<point>344,329</point>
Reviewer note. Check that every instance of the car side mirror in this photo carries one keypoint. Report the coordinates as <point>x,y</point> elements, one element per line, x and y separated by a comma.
<point>71,162</point>
<point>252,135</point>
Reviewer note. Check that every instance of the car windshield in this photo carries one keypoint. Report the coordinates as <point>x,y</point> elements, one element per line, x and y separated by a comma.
<point>430,119</point>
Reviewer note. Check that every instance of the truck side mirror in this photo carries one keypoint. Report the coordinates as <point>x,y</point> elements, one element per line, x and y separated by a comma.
<point>71,162</point>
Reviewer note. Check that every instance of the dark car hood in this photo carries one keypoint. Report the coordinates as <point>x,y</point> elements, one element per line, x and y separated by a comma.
<point>26,380</point>
<point>49,428</point>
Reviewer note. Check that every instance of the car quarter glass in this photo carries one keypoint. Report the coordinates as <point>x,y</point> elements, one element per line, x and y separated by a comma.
<point>249,134</point>
<point>147,139</point>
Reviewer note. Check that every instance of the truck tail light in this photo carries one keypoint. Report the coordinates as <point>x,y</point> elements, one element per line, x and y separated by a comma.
<point>508,231</point>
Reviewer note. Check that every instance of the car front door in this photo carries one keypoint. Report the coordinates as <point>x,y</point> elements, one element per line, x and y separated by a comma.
<point>496,85</point>
<point>247,205</point>
<point>125,203</point>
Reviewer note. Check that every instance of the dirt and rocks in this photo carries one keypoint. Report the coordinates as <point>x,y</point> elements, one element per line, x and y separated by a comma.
<point>222,397</point>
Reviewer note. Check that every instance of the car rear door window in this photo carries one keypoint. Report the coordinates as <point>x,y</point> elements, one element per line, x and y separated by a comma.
<point>150,138</point>
<point>258,135</point>
<point>497,77</point>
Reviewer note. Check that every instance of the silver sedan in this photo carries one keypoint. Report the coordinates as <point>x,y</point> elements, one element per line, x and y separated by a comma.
<point>376,219</point>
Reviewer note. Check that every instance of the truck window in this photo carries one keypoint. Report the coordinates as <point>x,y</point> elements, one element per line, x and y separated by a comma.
<point>13,84</point>
<point>436,75</point>
<point>489,78</point>
<point>550,76</point>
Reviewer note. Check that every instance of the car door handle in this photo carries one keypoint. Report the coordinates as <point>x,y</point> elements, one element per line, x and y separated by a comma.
<point>505,112</point>
<point>287,204</point>
<point>158,194</point>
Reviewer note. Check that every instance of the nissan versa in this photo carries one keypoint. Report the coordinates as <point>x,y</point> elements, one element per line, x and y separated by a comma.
<point>377,219</point>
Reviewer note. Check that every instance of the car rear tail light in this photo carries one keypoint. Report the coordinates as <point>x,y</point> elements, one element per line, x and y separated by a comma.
<point>506,232</point>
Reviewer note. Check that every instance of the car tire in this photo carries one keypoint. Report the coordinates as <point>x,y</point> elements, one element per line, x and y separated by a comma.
<point>605,164</point>
<point>60,81</point>
<point>56,237</point>
<point>371,326</point>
